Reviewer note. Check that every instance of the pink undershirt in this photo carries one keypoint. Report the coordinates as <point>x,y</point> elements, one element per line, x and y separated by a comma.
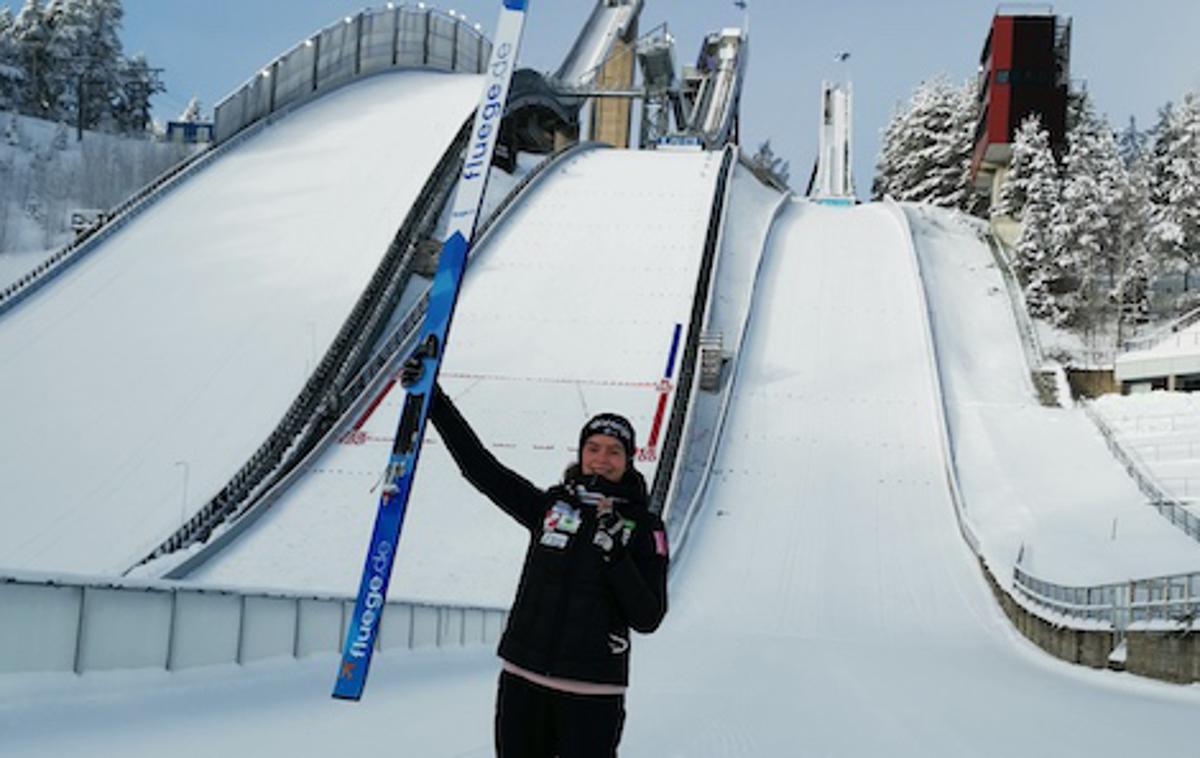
<point>574,686</point>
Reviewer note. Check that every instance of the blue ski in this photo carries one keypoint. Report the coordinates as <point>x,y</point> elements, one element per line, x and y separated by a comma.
<point>443,295</point>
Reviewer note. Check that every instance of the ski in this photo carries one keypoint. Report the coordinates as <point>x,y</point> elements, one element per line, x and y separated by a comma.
<point>443,295</point>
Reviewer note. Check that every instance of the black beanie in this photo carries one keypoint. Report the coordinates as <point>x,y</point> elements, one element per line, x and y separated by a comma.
<point>617,427</point>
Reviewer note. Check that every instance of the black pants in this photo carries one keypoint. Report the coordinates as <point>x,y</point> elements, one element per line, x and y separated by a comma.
<point>537,722</point>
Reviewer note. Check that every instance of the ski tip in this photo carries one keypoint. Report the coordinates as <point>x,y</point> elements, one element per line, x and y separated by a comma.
<point>353,698</point>
<point>515,5</point>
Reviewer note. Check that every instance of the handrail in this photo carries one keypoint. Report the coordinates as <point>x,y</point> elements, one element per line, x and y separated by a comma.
<point>259,96</point>
<point>113,219</point>
<point>666,474</point>
<point>1173,599</point>
<point>1174,327</point>
<point>1167,505</point>
<point>679,536</point>
<point>148,195</point>
<point>354,393</point>
<point>1076,604</point>
<point>1034,356</point>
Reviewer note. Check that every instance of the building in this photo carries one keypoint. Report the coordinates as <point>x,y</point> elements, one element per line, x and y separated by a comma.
<point>1024,69</point>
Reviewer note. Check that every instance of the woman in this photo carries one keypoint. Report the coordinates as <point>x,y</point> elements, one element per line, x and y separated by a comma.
<point>596,566</point>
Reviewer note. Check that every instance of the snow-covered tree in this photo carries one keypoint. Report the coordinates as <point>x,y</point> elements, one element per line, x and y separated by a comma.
<point>1088,217</point>
<point>1030,142</point>
<point>1175,184</point>
<point>764,162</point>
<point>927,147</point>
<point>39,81</point>
<point>1135,263</point>
<point>11,74</point>
<point>1037,262</point>
<point>139,83</point>
<point>1132,142</point>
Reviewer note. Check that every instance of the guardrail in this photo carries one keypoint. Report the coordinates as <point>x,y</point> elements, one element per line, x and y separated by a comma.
<point>1034,356</point>
<point>680,517</point>
<point>1172,600</point>
<point>1168,506</point>
<point>390,38</point>
<point>1178,325</point>
<point>114,219</point>
<point>350,402</point>
<point>370,41</point>
<point>82,624</point>
<point>666,473</point>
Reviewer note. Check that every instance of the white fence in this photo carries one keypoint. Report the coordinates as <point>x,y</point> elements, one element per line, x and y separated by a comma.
<point>81,624</point>
<point>370,41</point>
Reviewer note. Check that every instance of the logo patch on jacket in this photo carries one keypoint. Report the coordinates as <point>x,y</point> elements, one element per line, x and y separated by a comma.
<point>560,521</point>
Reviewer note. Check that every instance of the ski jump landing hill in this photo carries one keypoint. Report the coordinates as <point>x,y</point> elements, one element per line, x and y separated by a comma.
<point>825,576</point>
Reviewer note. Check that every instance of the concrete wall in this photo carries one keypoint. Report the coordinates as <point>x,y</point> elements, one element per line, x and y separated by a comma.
<point>1169,656</point>
<point>79,624</point>
<point>1092,383</point>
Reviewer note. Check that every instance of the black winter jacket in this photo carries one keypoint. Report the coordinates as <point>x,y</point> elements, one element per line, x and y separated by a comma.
<point>573,611</point>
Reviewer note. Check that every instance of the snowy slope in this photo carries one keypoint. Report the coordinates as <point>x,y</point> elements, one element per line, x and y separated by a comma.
<point>1031,476</point>
<point>827,607</point>
<point>169,354</point>
<point>567,310</point>
<point>828,604</point>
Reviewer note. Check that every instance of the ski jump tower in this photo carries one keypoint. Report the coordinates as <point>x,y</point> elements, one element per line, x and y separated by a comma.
<point>833,181</point>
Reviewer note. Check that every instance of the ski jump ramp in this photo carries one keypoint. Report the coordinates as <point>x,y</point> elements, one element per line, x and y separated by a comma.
<point>826,603</point>
<point>569,308</point>
<point>148,372</point>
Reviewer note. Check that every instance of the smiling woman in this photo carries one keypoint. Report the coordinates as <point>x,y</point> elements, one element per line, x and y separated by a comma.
<point>595,567</point>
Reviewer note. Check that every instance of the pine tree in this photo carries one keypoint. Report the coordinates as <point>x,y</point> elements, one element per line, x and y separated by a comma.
<point>11,74</point>
<point>139,83</point>
<point>1087,223</point>
<point>1136,265</point>
<point>927,147</point>
<point>31,36</point>
<point>764,162</point>
<point>1037,262</point>
<point>1029,143</point>
<point>1175,185</point>
<point>1132,143</point>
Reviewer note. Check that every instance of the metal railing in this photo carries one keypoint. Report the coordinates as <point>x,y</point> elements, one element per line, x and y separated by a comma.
<point>679,517</point>
<point>1168,506</point>
<point>666,474</point>
<point>1173,599</point>
<point>370,41</point>
<point>80,624</point>
<point>1178,325</point>
<point>396,37</point>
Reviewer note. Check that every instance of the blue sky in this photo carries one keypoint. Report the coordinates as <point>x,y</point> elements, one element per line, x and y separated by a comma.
<point>1133,56</point>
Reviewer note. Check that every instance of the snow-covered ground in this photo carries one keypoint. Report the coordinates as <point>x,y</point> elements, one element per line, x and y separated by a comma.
<point>46,175</point>
<point>1162,430</point>
<point>144,376</point>
<point>1033,477</point>
<point>827,605</point>
<point>567,310</point>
